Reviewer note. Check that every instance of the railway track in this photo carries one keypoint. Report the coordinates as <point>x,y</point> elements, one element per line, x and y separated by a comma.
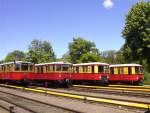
<point>123,89</point>
<point>140,105</point>
<point>131,86</point>
<point>116,92</point>
<point>13,107</point>
<point>28,105</point>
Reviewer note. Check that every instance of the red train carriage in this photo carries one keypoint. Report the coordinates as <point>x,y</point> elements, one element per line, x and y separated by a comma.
<point>126,73</point>
<point>55,73</point>
<point>91,73</point>
<point>16,72</point>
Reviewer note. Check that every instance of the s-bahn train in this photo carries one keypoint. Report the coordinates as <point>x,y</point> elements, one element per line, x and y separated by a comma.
<point>54,73</point>
<point>18,72</point>
<point>62,74</point>
<point>126,73</point>
<point>91,73</point>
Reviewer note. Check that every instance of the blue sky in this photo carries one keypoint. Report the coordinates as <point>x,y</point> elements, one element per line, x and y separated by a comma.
<point>58,21</point>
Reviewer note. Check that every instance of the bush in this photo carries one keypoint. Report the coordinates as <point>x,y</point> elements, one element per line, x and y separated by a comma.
<point>147,78</point>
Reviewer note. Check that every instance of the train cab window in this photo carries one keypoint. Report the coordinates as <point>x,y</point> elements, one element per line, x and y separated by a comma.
<point>65,67</point>
<point>58,67</point>
<point>140,70</point>
<point>24,67</point>
<point>111,71</point>
<point>17,67</point>
<point>106,69</point>
<point>100,69</point>
<point>137,70</point>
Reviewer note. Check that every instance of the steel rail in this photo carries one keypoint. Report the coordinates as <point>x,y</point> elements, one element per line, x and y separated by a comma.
<point>20,106</point>
<point>86,98</point>
<point>130,86</point>
<point>113,88</point>
<point>38,91</point>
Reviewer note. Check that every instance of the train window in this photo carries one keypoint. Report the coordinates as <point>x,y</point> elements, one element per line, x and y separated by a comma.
<point>0,69</point>
<point>129,70</point>
<point>120,71</point>
<point>89,69</point>
<point>40,69</point>
<point>100,69</point>
<point>80,69</point>
<point>31,68</point>
<point>138,70</point>
<point>74,69</point>
<point>112,71</point>
<point>9,68</point>
<point>65,67</point>
<point>85,69</point>
<point>50,68</point>
<point>106,69</point>
<point>3,68</point>
<point>58,67</point>
<point>77,69</point>
<point>133,70</point>
<point>125,70</point>
<point>36,70</point>
<point>115,70</point>
<point>17,67</point>
<point>92,69</point>
<point>95,69</point>
<point>24,67</point>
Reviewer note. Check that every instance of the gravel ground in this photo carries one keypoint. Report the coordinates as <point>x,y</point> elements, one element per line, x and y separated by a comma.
<point>16,109</point>
<point>37,107</point>
<point>73,104</point>
<point>3,110</point>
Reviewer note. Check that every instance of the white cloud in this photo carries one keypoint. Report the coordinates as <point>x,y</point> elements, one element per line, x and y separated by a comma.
<point>108,4</point>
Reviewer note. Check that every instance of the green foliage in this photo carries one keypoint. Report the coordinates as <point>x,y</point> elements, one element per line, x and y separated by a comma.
<point>40,51</point>
<point>81,50</point>
<point>137,33</point>
<point>147,78</point>
<point>15,55</point>
<point>1,61</point>
<point>66,57</point>
<point>113,57</point>
<point>90,57</point>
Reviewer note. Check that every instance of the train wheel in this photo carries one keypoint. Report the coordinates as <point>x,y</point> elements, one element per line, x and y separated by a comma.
<point>68,83</point>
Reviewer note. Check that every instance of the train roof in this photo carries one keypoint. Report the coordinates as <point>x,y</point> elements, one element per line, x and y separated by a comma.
<point>91,63</point>
<point>125,65</point>
<point>50,63</point>
<point>18,62</point>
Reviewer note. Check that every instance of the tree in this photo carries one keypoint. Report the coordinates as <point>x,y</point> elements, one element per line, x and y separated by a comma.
<point>40,52</point>
<point>15,55</point>
<point>66,57</point>
<point>109,56</point>
<point>137,33</point>
<point>81,50</point>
